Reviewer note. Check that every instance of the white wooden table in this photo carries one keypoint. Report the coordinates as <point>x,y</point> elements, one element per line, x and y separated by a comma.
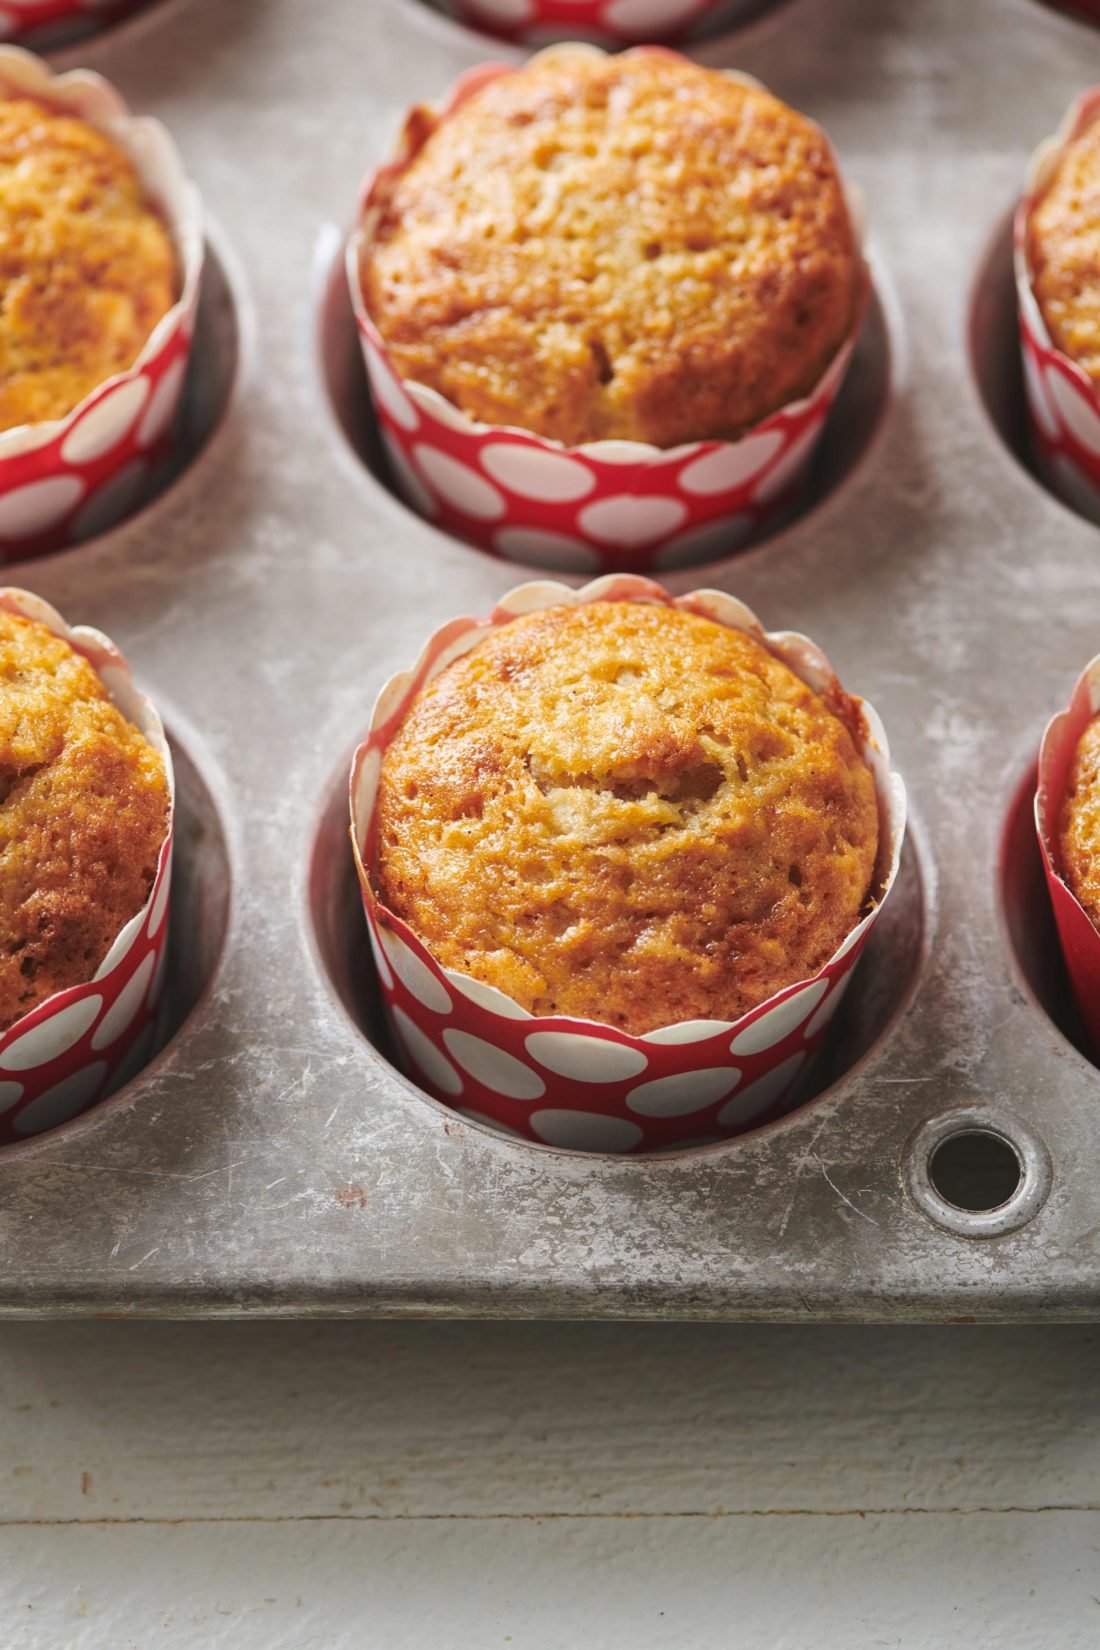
<point>322,1486</point>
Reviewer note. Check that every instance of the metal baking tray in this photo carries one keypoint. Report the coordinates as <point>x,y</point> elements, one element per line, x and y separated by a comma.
<point>272,1160</point>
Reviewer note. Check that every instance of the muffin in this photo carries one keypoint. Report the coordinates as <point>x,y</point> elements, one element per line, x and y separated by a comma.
<point>1063,247</point>
<point>83,817</point>
<point>87,263</point>
<point>614,247</point>
<point>626,812</point>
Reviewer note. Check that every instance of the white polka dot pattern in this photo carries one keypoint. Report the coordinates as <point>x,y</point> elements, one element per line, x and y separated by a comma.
<point>771,1027</point>
<point>572,1054</point>
<point>683,1093</point>
<point>107,423</point>
<point>608,506</point>
<point>585,1131</point>
<point>432,1062</point>
<point>493,1067</point>
<point>415,975</point>
<point>575,1083</point>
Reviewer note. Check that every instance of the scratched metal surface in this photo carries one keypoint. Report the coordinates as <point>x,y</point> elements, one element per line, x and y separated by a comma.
<point>272,1161</point>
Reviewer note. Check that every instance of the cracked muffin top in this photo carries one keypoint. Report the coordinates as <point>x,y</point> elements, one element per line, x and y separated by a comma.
<point>1064,252</point>
<point>628,247</point>
<point>627,813</point>
<point>87,267</point>
<point>83,816</point>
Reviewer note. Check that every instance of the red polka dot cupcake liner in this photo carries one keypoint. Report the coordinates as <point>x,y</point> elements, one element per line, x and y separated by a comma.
<point>607,506</point>
<point>60,22</point>
<point>67,479</point>
<point>611,23</point>
<point>82,1044</point>
<point>1079,939</point>
<point>578,1084</point>
<point>1063,404</point>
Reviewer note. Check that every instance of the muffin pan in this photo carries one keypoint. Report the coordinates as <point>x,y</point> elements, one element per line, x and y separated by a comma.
<point>271,1159</point>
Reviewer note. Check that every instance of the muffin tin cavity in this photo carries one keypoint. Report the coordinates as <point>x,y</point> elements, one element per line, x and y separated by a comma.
<point>849,433</point>
<point>1029,920</point>
<point>994,337</point>
<point>881,986</point>
<point>198,919</point>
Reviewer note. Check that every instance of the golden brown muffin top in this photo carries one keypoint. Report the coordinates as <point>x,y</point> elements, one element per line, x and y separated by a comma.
<point>86,266</point>
<point>1079,825</point>
<point>626,813</point>
<point>616,247</point>
<point>83,816</point>
<point>1064,252</point>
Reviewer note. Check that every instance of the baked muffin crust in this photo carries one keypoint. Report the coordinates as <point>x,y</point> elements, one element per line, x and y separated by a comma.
<point>87,267</point>
<point>83,816</point>
<point>1064,252</point>
<point>622,246</point>
<point>626,813</point>
<point>1079,824</point>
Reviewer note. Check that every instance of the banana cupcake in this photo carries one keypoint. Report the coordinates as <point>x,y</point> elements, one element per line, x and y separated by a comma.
<point>83,817</point>
<point>620,247</point>
<point>601,279</point>
<point>1063,243</point>
<point>101,256</point>
<point>619,853</point>
<point>86,263</point>
<point>626,813</point>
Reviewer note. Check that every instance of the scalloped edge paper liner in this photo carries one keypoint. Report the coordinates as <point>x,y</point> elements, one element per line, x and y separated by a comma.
<point>606,506</point>
<point>1080,940</point>
<point>577,1083</point>
<point>1063,402</point>
<point>80,1044</point>
<point>66,479</point>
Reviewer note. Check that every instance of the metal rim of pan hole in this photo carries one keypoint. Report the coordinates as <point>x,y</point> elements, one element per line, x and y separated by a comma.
<point>976,1123</point>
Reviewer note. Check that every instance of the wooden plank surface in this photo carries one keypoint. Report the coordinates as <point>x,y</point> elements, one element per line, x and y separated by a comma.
<point>452,1485</point>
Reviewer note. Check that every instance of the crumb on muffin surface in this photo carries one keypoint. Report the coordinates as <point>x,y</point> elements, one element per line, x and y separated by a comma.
<point>1079,822</point>
<point>83,816</point>
<point>628,247</point>
<point>1064,251</point>
<point>87,267</point>
<point>626,813</point>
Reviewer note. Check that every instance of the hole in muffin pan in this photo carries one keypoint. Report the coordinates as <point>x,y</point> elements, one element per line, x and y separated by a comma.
<point>849,432</point>
<point>1029,919</point>
<point>881,989</point>
<point>977,1172</point>
<point>207,391</point>
<point>994,343</point>
<point>199,918</point>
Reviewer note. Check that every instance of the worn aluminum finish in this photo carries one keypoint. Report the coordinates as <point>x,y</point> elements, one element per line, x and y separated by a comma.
<point>271,1161</point>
